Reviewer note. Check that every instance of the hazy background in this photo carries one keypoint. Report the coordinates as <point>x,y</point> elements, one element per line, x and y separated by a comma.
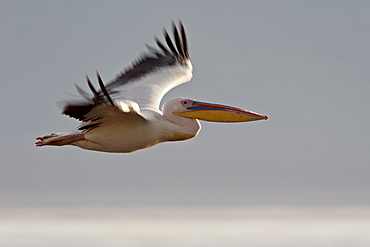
<point>305,64</point>
<point>300,179</point>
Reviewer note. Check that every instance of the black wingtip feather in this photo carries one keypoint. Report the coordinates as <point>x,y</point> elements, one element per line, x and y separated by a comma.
<point>103,89</point>
<point>184,40</point>
<point>178,40</point>
<point>96,99</point>
<point>82,92</point>
<point>91,86</point>
<point>160,45</point>
<point>169,42</point>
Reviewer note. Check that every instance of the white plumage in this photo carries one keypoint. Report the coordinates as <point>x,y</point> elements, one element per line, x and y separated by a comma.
<point>124,116</point>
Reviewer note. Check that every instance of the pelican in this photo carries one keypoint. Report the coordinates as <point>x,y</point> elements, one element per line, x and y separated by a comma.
<point>123,115</point>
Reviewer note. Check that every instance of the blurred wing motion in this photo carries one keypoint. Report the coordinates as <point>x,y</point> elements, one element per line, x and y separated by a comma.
<point>124,115</point>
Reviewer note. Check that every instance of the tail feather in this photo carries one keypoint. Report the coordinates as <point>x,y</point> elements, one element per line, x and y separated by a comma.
<point>59,139</point>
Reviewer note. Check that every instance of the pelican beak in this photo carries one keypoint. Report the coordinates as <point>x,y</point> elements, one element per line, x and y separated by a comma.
<point>219,113</point>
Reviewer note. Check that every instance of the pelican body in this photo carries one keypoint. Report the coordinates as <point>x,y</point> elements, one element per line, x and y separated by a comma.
<point>124,116</point>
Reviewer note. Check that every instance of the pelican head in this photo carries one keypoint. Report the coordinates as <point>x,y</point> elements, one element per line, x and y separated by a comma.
<point>211,112</point>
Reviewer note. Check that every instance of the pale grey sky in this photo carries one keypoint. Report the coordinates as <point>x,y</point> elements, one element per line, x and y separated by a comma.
<point>305,64</point>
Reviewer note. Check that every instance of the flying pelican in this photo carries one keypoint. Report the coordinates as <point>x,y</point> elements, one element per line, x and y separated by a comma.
<point>124,116</point>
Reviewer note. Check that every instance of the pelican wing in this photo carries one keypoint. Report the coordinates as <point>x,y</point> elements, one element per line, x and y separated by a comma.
<point>155,73</point>
<point>141,86</point>
<point>92,115</point>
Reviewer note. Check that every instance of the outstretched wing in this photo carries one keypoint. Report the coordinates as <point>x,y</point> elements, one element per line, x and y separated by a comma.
<point>142,85</point>
<point>102,108</point>
<point>155,73</point>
